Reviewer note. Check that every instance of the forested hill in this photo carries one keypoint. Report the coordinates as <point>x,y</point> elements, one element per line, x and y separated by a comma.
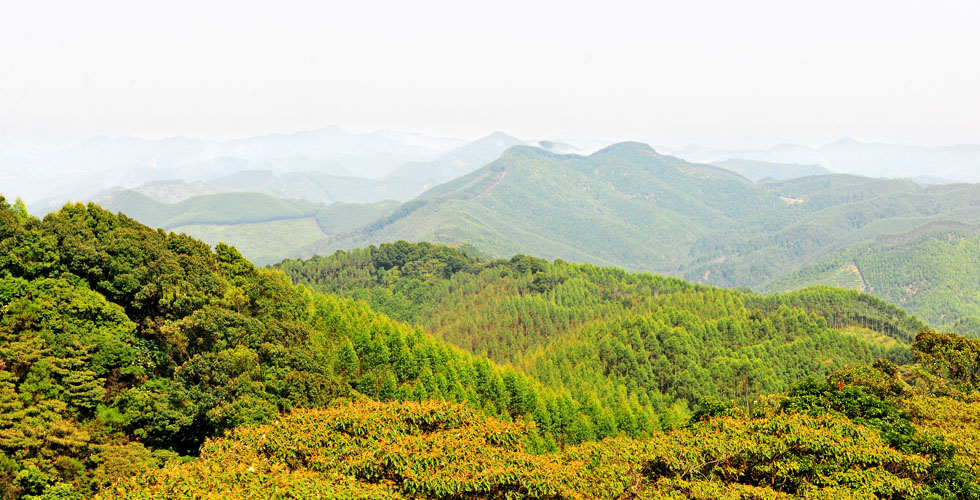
<point>934,274</point>
<point>124,348</point>
<point>599,208</point>
<point>654,335</point>
<point>630,207</point>
<point>829,213</point>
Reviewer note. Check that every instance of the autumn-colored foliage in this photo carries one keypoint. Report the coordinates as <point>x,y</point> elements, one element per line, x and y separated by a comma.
<point>441,450</point>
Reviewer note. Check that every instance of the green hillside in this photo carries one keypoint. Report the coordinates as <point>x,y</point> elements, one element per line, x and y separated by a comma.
<point>829,213</point>
<point>625,204</point>
<point>342,218</point>
<point>316,187</point>
<point>630,207</point>
<point>654,335</point>
<point>261,242</point>
<point>223,208</point>
<point>137,363</point>
<point>935,275</point>
<point>309,186</point>
<point>124,347</point>
<point>903,242</point>
<point>412,179</point>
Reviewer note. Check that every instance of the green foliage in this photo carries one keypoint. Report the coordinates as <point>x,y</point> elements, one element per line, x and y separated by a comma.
<point>911,245</point>
<point>873,396</point>
<point>932,275</point>
<point>21,210</point>
<point>120,344</point>
<point>950,356</point>
<point>846,308</point>
<point>124,348</point>
<point>709,407</point>
<point>619,343</point>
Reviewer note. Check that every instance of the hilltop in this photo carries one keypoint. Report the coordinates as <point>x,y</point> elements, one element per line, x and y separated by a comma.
<point>624,204</point>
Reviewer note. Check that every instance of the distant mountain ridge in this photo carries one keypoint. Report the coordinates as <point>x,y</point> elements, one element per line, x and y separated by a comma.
<point>102,163</point>
<point>405,182</point>
<point>461,161</point>
<point>755,170</point>
<point>264,227</point>
<point>958,163</point>
<point>625,205</point>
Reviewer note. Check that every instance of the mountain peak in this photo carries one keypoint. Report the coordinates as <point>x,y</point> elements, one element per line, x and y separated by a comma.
<point>626,147</point>
<point>499,137</point>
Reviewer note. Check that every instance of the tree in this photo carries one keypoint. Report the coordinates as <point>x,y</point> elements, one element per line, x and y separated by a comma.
<point>347,361</point>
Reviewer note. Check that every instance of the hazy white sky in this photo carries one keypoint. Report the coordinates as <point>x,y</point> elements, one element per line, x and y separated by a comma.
<point>743,73</point>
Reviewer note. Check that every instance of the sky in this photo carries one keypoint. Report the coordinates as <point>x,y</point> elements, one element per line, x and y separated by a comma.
<point>744,74</point>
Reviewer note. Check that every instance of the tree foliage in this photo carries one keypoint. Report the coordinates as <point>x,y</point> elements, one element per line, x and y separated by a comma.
<point>126,351</point>
<point>122,347</point>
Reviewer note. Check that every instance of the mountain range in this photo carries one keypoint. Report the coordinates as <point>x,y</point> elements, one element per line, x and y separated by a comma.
<point>934,165</point>
<point>771,220</point>
<point>46,180</point>
<point>624,204</point>
<point>628,205</point>
<point>405,182</point>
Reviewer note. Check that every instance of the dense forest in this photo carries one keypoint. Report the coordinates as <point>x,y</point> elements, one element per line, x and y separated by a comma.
<point>875,432</point>
<point>596,330</point>
<point>124,347</point>
<point>909,244</point>
<point>413,370</point>
<point>934,274</point>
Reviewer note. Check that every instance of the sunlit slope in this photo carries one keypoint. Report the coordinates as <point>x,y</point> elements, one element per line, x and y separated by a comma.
<point>594,329</point>
<point>625,204</point>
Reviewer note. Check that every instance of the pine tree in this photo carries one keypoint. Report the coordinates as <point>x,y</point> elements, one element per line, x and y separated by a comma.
<point>347,362</point>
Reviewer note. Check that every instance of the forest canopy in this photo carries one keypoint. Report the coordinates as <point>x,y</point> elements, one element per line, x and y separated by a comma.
<point>136,355</point>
